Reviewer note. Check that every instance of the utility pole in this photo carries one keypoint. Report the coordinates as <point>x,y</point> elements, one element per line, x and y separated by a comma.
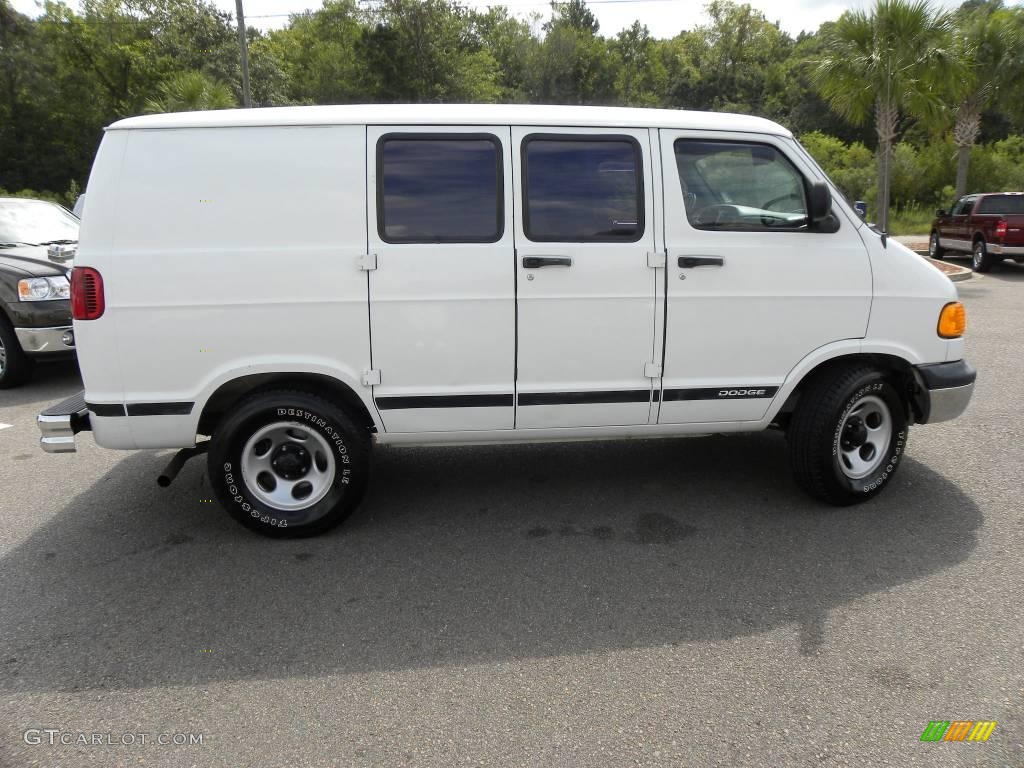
<point>246,96</point>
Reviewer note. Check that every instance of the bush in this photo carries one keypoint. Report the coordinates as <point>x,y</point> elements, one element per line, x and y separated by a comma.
<point>51,196</point>
<point>850,166</point>
<point>997,167</point>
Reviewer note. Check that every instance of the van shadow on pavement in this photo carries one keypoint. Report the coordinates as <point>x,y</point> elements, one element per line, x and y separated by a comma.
<point>458,556</point>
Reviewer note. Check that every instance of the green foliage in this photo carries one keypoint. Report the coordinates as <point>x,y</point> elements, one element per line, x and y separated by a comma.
<point>733,63</point>
<point>78,66</point>
<point>426,50</point>
<point>911,219</point>
<point>896,54</point>
<point>850,166</point>
<point>997,167</point>
<point>190,92</point>
<point>34,194</point>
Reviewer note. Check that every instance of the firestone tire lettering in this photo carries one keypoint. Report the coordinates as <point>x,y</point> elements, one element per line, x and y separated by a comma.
<point>347,441</point>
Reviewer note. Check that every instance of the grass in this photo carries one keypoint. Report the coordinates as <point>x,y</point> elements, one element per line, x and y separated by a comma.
<point>911,219</point>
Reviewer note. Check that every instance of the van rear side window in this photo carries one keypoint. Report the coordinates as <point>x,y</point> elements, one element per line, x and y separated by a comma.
<point>582,189</point>
<point>439,188</point>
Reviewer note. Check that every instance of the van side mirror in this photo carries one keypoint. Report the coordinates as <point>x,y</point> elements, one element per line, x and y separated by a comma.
<point>819,200</point>
<point>940,213</point>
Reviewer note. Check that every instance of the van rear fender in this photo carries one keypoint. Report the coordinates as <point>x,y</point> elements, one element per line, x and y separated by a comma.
<point>344,391</point>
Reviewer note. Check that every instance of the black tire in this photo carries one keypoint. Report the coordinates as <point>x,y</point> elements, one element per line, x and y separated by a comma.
<point>15,366</point>
<point>821,436</point>
<point>981,259</point>
<point>335,440</point>
<point>935,250</point>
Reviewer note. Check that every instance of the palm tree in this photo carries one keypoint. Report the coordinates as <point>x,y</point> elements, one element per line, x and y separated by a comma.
<point>885,62</point>
<point>190,92</point>
<point>985,41</point>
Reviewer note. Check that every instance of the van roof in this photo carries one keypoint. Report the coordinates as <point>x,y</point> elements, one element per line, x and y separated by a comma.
<point>456,114</point>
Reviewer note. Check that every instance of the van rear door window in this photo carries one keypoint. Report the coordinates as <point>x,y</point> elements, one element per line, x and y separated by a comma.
<point>582,189</point>
<point>439,188</point>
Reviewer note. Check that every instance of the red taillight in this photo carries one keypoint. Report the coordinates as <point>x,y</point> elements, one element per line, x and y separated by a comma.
<point>1001,228</point>
<point>87,302</point>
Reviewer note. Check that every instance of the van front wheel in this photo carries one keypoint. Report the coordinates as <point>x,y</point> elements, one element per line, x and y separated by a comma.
<point>288,464</point>
<point>848,435</point>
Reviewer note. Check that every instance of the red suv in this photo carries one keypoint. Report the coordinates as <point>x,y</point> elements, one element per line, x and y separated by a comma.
<point>989,226</point>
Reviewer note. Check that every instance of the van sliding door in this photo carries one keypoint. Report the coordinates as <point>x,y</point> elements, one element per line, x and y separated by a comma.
<point>588,275</point>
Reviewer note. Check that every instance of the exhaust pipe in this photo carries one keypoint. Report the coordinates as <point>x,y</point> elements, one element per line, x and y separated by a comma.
<point>178,461</point>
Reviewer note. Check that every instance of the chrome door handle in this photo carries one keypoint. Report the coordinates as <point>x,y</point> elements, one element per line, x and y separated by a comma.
<point>534,262</point>
<point>689,262</point>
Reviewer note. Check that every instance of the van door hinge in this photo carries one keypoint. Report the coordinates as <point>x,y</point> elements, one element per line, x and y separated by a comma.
<point>655,259</point>
<point>367,262</point>
<point>371,377</point>
<point>652,370</point>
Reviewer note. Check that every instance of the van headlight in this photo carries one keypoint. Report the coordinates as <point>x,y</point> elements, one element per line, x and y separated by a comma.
<point>44,288</point>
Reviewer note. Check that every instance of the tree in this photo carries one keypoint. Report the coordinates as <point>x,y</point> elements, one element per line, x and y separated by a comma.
<point>733,63</point>
<point>574,66</point>
<point>513,45</point>
<point>573,14</point>
<point>190,92</point>
<point>21,113</point>
<point>986,40</point>
<point>317,54</point>
<point>641,74</point>
<point>427,50</point>
<point>891,60</point>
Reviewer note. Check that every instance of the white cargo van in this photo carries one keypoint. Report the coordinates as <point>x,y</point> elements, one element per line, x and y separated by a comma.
<point>301,283</point>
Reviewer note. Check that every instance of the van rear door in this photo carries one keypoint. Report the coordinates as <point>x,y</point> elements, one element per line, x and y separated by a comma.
<point>441,277</point>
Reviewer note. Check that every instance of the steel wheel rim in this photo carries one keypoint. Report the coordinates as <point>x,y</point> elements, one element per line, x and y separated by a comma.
<point>864,437</point>
<point>3,357</point>
<point>933,246</point>
<point>288,466</point>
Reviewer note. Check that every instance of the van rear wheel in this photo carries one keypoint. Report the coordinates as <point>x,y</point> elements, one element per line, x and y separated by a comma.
<point>848,435</point>
<point>288,464</point>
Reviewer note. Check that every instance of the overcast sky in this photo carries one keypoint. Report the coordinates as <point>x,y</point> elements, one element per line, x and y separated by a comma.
<point>665,18</point>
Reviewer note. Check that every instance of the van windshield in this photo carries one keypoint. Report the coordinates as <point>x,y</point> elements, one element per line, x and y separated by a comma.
<point>35,222</point>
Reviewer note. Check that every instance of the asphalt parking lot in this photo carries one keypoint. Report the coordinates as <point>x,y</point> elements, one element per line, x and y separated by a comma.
<point>667,602</point>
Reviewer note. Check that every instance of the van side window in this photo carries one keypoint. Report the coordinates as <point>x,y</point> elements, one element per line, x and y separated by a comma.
<point>439,188</point>
<point>739,186</point>
<point>582,188</point>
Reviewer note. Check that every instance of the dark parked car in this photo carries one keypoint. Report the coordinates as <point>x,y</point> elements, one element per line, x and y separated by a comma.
<point>35,312</point>
<point>988,225</point>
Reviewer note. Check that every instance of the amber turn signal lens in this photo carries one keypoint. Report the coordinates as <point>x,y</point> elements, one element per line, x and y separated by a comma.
<point>952,321</point>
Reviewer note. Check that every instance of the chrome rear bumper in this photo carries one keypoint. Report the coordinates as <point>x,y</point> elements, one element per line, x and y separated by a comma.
<point>60,423</point>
